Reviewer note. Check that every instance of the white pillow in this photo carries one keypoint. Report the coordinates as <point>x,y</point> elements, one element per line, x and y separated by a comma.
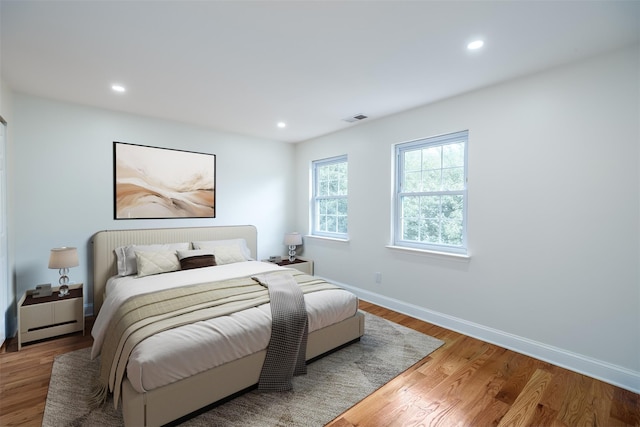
<point>210,244</point>
<point>156,262</point>
<point>194,252</point>
<point>228,254</point>
<point>126,255</point>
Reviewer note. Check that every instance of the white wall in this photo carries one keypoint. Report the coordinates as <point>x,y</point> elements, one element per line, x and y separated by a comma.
<point>553,216</point>
<point>63,180</point>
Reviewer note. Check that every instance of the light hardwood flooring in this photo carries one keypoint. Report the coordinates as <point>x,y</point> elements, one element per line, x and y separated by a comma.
<point>466,382</point>
<point>25,374</point>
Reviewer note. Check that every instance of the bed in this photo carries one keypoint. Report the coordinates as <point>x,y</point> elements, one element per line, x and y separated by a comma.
<point>151,397</point>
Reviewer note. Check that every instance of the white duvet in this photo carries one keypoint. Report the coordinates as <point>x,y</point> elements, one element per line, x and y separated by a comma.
<point>182,352</point>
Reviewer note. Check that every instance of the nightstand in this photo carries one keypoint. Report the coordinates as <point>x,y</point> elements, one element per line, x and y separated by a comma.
<point>46,317</point>
<point>304,265</point>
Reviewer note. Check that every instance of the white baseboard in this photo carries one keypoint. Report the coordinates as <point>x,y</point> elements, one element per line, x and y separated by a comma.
<point>598,369</point>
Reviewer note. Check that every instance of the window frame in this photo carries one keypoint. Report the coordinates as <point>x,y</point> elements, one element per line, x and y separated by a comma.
<point>315,198</point>
<point>400,150</point>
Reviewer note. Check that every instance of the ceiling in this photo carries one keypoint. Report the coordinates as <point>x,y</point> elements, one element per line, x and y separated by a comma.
<point>244,66</point>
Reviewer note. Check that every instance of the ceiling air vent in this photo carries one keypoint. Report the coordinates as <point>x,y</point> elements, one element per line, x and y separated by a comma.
<point>355,118</point>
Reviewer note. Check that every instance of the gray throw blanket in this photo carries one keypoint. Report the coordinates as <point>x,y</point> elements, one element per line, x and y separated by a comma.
<point>287,348</point>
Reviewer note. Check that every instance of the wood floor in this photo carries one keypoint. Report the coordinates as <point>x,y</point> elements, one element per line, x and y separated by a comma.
<point>466,382</point>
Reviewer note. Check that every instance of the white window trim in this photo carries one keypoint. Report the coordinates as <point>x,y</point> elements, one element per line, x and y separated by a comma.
<point>437,249</point>
<point>427,252</point>
<point>329,239</point>
<point>314,165</point>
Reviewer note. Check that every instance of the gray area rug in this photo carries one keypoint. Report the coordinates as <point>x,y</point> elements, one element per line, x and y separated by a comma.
<point>332,384</point>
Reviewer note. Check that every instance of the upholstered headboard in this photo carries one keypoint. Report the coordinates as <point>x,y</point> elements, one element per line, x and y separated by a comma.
<point>104,243</point>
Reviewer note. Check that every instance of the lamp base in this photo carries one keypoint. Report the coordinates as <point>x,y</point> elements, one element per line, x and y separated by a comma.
<point>63,290</point>
<point>292,253</point>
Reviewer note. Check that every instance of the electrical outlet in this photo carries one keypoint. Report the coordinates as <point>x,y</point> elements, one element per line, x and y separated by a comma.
<point>378,277</point>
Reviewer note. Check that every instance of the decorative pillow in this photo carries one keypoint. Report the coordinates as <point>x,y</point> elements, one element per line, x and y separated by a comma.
<point>156,262</point>
<point>126,255</point>
<point>196,258</point>
<point>193,252</point>
<point>209,244</point>
<point>197,261</point>
<point>228,254</point>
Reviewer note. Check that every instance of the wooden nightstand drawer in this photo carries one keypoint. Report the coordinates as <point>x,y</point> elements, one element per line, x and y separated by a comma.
<point>36,316</point>
<point>67,310</point>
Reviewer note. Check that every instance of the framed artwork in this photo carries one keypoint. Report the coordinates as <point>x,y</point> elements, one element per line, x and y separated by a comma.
<point>154,182</point>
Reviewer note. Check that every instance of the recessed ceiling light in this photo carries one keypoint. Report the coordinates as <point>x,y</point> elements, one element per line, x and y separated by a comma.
<point>282,125</point>
<point>476,44</point>
<point>118,88</point>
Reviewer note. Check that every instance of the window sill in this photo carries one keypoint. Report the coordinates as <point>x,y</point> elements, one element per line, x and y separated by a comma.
<point>450,255</point>
<point>332,239</point>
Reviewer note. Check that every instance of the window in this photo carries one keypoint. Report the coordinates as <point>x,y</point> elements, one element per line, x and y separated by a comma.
<point>329,210</point>
<point>431,194</point>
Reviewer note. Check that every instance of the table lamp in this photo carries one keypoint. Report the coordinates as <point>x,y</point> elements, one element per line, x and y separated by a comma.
<point>63,258</point>
<point>292,240</point>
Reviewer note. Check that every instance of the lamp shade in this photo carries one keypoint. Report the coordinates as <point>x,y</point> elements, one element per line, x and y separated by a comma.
<point>293,239</point>
<point>64,257</point>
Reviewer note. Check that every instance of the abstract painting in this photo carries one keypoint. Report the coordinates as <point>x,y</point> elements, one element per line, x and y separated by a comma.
<point>154,182</point>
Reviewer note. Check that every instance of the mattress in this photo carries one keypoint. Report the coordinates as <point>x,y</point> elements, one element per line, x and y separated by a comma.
<point>187,350</point>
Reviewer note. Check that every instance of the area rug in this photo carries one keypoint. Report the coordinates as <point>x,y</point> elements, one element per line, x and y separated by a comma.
<point>332,385</point>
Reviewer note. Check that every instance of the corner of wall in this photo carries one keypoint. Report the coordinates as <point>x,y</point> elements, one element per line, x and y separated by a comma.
<point>8,324</point>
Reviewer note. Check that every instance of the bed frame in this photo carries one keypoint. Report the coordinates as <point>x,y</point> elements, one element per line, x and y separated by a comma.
<point>173,401</point>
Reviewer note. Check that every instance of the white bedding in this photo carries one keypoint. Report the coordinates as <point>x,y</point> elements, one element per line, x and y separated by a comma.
<point>181,352</point>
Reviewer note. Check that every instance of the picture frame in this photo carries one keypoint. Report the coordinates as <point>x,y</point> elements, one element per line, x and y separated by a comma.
<point>155,182</point>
